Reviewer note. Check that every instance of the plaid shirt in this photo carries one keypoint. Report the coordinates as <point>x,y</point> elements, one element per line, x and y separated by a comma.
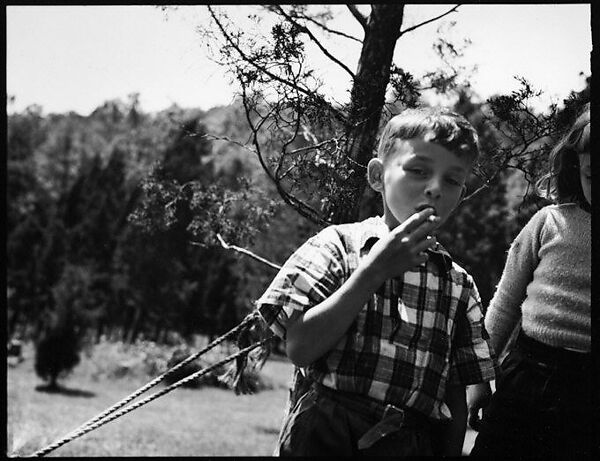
<point>417,334</point>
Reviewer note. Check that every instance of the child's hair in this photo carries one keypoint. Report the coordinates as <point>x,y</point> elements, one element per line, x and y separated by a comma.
<point>562,183</point>
<point>441,126</point>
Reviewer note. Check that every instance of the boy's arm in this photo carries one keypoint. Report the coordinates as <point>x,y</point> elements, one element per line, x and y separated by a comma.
<point>313,333</point>
<point>316,331</point>
<point>453,434</point>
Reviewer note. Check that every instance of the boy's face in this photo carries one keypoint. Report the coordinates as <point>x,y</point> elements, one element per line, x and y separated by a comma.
<point>418,173</point>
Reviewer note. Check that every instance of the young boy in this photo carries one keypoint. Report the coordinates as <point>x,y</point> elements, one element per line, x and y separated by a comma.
<point>385,325</point>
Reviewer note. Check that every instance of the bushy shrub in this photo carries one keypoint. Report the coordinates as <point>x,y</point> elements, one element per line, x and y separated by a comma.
<point>210,379</point>
<point>116,359</point>
<point>57,352</point>
<point>145,360</point>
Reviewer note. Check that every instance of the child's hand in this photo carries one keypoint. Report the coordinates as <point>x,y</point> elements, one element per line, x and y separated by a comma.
<point>478,396</point>
<point>404,247</point>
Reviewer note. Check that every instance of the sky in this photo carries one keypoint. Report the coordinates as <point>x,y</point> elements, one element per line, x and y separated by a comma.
<point>74,58</point>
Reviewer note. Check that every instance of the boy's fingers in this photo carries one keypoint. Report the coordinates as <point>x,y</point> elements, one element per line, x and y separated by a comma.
<point>425,244</point>
<point>416,238</point>
<point>414,221</point>
<point>424,229</point>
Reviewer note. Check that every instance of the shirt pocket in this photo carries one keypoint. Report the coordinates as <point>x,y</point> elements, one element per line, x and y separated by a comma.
<point>415,328</point>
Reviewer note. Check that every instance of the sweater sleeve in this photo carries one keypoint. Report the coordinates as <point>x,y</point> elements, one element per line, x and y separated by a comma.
<point>504,311</point>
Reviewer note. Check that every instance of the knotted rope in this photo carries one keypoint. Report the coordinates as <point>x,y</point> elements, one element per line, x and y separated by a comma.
<point>109,414</point>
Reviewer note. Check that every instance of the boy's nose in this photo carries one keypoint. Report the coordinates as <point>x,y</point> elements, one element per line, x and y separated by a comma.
<point>433,189</point>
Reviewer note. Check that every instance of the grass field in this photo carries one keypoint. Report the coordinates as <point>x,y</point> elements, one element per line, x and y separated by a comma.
<point>186,422</point>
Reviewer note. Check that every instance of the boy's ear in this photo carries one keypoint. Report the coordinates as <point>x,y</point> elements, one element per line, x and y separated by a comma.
<point>375,174</point>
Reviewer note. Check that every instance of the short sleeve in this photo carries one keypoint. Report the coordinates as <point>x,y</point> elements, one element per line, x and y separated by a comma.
<point>472,358</point>
<point>311,274</point>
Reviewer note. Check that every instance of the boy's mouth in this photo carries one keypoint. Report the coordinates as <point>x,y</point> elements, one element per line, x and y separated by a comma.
<point>425,206</point>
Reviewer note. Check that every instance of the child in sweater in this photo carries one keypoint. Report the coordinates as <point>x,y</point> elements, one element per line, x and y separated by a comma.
<point>377,315</point>
<point>542,404</point>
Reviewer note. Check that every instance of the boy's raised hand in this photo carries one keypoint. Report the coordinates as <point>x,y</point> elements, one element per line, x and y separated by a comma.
<point>404,247</point>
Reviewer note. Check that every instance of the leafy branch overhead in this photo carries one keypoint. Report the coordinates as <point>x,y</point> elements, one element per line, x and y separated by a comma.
<point>199,212</point>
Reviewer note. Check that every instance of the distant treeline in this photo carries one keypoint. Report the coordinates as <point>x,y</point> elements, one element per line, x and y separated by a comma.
<point>95,239</point>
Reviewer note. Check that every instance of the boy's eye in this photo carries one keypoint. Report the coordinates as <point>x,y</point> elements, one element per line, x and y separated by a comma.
<point>417,171</point>
<point>454,182</point>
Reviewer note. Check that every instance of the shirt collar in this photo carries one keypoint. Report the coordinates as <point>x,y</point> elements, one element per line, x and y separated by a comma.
<point>375,228</point>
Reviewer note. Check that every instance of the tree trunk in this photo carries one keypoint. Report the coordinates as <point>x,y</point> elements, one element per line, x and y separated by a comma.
<point>135,325</point>
<point>53,384</point>
<point>158,329</point>
<point>368,98</point>
<point>100,331</point>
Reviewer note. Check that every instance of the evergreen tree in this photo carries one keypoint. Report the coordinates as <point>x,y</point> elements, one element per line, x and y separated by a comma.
<point>58,346</point>
<point>157,263</point>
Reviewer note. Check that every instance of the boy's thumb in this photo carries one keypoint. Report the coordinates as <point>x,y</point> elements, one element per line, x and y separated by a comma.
<point>474,420</point>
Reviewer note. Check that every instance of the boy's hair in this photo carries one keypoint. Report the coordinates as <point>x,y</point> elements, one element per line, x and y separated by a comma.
<point>441,126</point>
<point>562,183</point>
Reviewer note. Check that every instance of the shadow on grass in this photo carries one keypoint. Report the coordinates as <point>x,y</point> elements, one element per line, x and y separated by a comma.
<point>267,430</point>
<point>64,391</point>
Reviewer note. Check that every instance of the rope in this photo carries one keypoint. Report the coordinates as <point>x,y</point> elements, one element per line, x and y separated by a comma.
<point>104,418</point>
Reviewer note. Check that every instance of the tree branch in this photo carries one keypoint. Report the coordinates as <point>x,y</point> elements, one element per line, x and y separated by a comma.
<point>307,31</point>
<point>244,251</point>
<point>359,17</point>
<point>410,29</point>
<point>487,182</point>
<point>227,139</point>
<point>328,29</point>
<point>303,208</point>
<point>261,68</point>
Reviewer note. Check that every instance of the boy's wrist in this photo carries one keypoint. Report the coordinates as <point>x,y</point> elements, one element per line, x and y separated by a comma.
<point>369,276</point>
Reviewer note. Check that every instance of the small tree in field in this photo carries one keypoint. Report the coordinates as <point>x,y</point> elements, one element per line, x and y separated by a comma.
<point>57,350</point>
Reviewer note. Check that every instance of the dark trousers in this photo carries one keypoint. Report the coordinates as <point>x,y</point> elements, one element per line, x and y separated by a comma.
<point>330,423</point>
<point>542,405</point>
